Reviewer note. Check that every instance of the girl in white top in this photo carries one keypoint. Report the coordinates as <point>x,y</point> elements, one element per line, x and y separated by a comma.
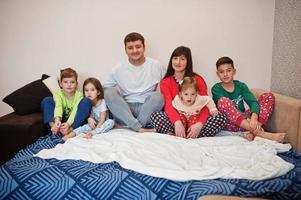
<point>98,121</point>
<point>189,103</point>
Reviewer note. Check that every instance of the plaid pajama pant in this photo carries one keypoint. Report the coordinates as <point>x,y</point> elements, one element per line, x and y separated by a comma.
<point>213,125</point>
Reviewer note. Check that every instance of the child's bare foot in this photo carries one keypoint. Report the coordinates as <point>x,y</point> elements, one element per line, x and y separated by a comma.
<point>88,135</point>
<point>54,129</point>
<point>142,130</point>
<point>249,136</point>
<point>278,137</point>
<point>68,136</point>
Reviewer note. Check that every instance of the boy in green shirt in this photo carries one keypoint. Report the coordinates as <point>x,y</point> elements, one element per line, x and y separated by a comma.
<point>67,109</point>
<point>230,95</point>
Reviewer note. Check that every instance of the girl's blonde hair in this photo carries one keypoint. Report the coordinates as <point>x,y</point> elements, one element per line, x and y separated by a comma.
<point>188,82</point>
<point>68,73</point>
<point>97,85</point>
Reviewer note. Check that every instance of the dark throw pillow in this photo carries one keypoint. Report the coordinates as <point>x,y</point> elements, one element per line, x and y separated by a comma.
<point>27,99</point>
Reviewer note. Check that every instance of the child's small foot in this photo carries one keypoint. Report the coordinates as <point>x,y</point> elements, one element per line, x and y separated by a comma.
<point>142,130</point>
<point>88,136</point>
<point>68,136</point>
<point>249,136</point>
<point>278,137</point>
<point>54,130</point>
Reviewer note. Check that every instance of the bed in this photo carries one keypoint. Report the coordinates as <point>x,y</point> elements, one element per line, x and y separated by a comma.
<point>29,176</point>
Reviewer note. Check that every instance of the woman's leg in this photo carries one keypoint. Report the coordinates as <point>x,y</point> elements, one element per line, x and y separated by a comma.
<point>82,113</point>
<point>213,125</point>
<point>161,122</point>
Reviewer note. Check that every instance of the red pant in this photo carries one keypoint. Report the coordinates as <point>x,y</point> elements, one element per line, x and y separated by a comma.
<point>226,106</point>
<point>190,121</point>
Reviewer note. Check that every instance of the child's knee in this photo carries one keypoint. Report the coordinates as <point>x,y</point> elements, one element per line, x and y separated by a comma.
<point>47,101</point>
<point>267,97</point>
<point>223,102</point>
<point>85,102</point>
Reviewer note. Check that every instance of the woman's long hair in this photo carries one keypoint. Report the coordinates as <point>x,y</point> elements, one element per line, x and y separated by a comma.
<point>180,51</point>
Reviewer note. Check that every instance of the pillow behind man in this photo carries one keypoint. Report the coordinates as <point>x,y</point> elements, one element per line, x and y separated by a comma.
<point>27,99</point>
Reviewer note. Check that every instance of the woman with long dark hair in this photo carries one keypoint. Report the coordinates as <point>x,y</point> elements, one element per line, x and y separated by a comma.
<point>168,121</point>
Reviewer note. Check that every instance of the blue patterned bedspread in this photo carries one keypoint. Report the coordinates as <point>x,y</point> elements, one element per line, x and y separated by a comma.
<point>28,177</point>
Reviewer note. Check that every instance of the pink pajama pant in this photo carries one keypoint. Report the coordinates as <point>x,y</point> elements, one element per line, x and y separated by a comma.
<point>226,106</point>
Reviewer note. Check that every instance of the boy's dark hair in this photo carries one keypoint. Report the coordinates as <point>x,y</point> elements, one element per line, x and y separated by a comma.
<point>224,60</point>
<point>68,73</point>
<point>97,85</point>
<point>131,37</point>
<point>180,51</point>
<point>187,83</point>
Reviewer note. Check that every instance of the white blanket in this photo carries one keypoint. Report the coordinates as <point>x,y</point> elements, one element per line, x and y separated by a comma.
<point>176,158</point>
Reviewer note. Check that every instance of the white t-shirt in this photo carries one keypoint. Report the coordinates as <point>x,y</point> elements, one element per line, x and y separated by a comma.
<point>98,108</point>
<point>136,83</point>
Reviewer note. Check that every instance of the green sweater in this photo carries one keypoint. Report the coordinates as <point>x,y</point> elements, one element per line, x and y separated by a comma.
<point>240,94</point>
<point>64,107</point>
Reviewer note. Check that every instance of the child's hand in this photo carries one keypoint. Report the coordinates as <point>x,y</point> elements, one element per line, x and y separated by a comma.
<point>194,130</point>
<point>55,126</point>
<point>64,129</point>
<point>179,129</point>
<point>92,123</point>
<point>254,124</point>
<point>214,112</point>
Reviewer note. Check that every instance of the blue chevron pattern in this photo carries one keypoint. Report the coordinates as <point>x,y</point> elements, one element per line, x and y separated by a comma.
<point>28,177</point>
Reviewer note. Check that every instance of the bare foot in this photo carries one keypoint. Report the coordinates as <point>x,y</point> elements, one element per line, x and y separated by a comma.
<point>54,129</point>
<point>249,136</point>
<point>68,136</point>
<point>142,130</point>
<point>278,137</point>
<point>88,135</point>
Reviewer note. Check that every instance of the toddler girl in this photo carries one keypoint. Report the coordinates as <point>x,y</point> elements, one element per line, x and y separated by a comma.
<point>188,102</point>
<point>98,121</point>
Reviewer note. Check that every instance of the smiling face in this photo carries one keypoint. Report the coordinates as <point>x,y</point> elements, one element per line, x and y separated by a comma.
<point>188,96</point>
<point>225,73</point>
<point>135,52</point>
<point>91,92</point>
<point>179,63</point>
<point>68,85</point>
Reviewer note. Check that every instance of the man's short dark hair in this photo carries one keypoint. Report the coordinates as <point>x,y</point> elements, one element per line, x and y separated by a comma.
<point>131,37</point>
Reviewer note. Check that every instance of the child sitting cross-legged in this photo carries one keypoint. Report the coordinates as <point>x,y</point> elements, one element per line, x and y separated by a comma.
<point>230,95</point>
<point>98,121</point>
<point>188,103</point>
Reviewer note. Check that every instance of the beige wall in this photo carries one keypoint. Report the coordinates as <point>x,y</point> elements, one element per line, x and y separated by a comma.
<point>42,36</point>
<point>286,67</point>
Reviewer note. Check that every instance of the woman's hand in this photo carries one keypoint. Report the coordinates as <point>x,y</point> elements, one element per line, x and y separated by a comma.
<point>179,129</point>
<point>92,123</point>
<point>194,130</point>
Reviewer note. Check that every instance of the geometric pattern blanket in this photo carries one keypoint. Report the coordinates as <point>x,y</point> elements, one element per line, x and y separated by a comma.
<point>29,177</point>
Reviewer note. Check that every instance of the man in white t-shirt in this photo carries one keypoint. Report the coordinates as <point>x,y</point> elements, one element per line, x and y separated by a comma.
<point>137,79</point>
